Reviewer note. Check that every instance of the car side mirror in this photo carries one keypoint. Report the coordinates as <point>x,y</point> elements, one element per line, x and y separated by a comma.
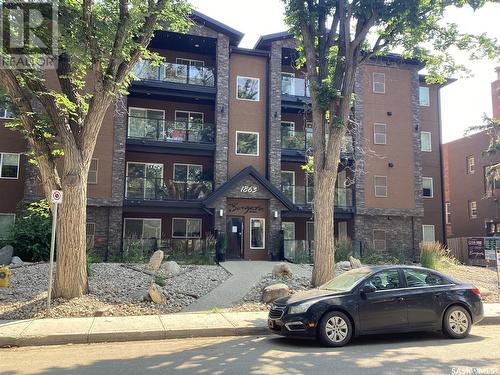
<point>368,288</point>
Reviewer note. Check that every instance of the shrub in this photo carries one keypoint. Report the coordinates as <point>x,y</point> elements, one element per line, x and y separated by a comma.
<point>30,235</point>
<point>158,280</point>
<point>434,254</point>
<point>92,257</point>
<point>343,249</point>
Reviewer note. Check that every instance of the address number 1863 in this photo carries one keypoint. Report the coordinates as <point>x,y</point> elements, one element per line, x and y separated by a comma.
<point>248,189</point>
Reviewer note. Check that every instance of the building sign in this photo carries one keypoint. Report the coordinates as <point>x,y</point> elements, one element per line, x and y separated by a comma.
<point>475,248</point>
<point>491,246</point>
<point>243,208</point>
<point>249,189</point>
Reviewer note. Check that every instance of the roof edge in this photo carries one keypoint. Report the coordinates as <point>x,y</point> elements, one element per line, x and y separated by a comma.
<point>234,35</point>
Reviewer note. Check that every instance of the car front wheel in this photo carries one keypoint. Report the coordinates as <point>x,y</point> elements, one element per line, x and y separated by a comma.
<point>335,329</point>
<point>457,322</point>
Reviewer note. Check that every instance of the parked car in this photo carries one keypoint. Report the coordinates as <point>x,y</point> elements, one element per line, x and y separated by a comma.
<point>379,299</point>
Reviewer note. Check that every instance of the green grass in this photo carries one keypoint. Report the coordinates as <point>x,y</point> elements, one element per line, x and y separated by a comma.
<point>434,254</point>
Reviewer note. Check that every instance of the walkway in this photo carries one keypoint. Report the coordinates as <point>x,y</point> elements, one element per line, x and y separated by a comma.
<point>245,274</point>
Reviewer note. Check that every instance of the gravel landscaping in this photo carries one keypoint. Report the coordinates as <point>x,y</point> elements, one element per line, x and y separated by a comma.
<point>114,290</point>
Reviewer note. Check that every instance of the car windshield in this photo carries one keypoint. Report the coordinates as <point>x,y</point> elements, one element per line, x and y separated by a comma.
<point>345,281</point>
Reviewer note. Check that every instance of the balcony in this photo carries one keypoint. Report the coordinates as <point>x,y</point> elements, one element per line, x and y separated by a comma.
<point>292,86</point>
<point>175,73</point>
<point>295,140</point>
<point>304,195</point>
<point>170,131</point>
<point>158,189</point>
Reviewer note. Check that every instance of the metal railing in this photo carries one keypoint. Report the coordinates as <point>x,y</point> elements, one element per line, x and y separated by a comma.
<point>158,189</point>
<point>295,86</point>
<point>170,131</point>
<point>177,73</point>
<point>304,195</point>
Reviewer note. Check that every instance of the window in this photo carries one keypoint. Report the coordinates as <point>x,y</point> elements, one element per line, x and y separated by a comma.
<point>310,232</point>
<point>247,143</point>
<point>309,188</point>
<point>379,83</point>
<point>288,127</point>
<point>146,123</point>
<point>428,187</point>
<point>418,278</point>
<point>385,280</point>
<point>5,113</point>
<point>257,233</point>
<point>379,241</point>
<point>379,134</point>
<point>247,88</point>
<point>90,231</point>
<point>186,228</point>
<point>491,179</point>
<point>472,209</point>
<point>9,165</point>
<point>92,176</point>
<point>423,94</point>
<point>6,223</point>
<point>144,180</point>
<point>187,172</point>
<point>447,213</point>
<point>471,164</point>
<point>190,62</point>
<point>425,141</point>
<point>142,228</point>
<point>381,186</point>
<point>288,184</point>
<point>428,233</point>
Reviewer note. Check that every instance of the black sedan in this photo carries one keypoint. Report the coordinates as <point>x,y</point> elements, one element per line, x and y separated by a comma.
<point>379,299</point>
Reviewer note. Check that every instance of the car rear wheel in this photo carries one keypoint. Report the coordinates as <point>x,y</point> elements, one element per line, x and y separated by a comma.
<point>457,322</point>
<point>335,329</point>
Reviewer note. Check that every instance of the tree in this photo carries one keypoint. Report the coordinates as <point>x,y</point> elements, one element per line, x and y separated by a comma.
<point>335,37</point>
<point>99,43</point>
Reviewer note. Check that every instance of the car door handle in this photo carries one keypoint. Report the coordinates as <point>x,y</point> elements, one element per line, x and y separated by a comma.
<point>436,295</point>
<point>401,299</point>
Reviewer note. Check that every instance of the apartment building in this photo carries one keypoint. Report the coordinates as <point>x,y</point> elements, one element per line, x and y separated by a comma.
<point>214,139</point>
<point>471,189</point>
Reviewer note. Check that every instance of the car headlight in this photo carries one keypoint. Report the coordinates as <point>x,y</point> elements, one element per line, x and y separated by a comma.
<point>300,308</point>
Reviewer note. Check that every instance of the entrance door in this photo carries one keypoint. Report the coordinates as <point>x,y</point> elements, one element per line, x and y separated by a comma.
<point>234,230</point>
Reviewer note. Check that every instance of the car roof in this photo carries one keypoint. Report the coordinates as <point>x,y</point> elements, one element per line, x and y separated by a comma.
<point>392,266</point>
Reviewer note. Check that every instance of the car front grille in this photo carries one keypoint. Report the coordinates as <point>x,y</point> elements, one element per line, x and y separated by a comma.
<point>276,312</point>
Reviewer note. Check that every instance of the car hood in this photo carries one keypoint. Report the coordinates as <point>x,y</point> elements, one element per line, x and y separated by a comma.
<point>306,295</point>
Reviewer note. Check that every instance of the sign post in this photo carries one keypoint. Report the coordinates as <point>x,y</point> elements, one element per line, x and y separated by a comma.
<point>55,199</point>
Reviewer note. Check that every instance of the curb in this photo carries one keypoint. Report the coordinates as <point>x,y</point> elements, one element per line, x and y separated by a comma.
<point>490,321</point>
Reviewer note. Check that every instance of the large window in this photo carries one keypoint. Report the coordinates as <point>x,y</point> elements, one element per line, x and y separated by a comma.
<point>187,172</point>
<point>428,233</point>
<point>425,141</point>
<point>471,164</point>
<point>144,180</point>
<point>190,62</point>
<point>248,88</point>
<point>381,186</point>
<point>288,184</point>
<point>379,134</point>
<point>5,113</point>
<point>418,278</point>
<point>379,240</point>
<point>146,123</point>
<point>379,83</point>
<point>428,187</point>
<point>309,187</point>
<point>90,233</point>
<point>92,175</point>
<point>247,143</point>
<point>424,98</point>
<point>9,165</point>
<point>6,223</point>
<point>447,212</point>
<point>257,233</point>
<point>491,179</point>
<point>186,228</point>
<point>142,228</point>
<point>472,209</point>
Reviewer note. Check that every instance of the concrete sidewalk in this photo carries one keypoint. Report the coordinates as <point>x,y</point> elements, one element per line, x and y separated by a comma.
<point>148,327</point>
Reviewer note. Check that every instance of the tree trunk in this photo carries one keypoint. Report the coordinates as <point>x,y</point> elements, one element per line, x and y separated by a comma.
<point>324,246</point>
<point>71,255</point>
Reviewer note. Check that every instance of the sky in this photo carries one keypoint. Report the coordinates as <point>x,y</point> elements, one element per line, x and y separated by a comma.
<point>462,102</point>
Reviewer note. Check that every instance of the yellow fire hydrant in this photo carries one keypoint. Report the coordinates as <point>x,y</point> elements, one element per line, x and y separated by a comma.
<point>5,276</point>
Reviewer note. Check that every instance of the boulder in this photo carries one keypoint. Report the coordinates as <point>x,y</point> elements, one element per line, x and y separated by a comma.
<point>172,267</point>
<point>275,291</point>
<point>344,265</point>
<point>355,263</point>
<point>282,270</point>
<point>6,254</point>
<point>16,261</point>
<point>155,261</point>
<point>155,294</point>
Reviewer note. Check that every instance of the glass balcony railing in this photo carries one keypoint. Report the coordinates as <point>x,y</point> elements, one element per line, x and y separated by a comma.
<point>304,195</point>
<point>177,73</point>
<point>295,140</point>
<point>170,131</point>
<point>295,86</point>
<point>158,189</point>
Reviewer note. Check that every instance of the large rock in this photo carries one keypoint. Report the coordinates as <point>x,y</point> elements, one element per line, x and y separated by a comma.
<point>16,261</point>
<point>155,294</point>
<point>172,267</point>
<point>355,263</point>
<point>155,261</point>
<point>282,270</point>
<point>344,265</point>
<point>275,291</point>
<point>6,254</point>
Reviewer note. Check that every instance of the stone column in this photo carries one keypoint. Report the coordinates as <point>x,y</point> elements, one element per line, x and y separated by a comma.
<point>274,225</point>
<point>274,144</point>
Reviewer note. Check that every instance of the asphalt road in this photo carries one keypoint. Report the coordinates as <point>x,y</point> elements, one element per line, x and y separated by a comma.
<point>426,353</point>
